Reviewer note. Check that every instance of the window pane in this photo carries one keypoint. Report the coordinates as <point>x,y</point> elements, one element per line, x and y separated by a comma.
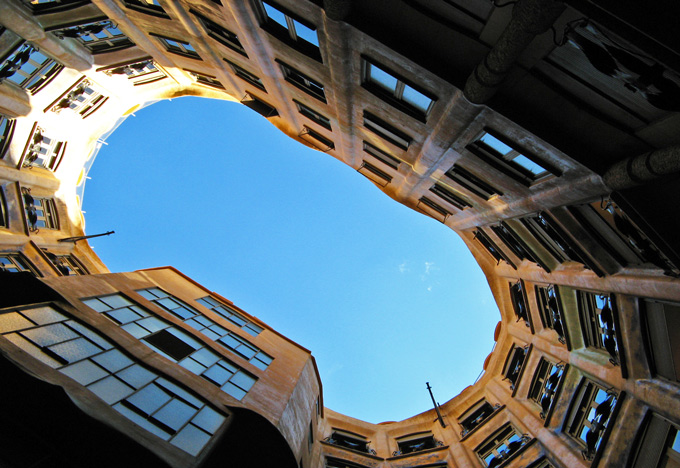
<point>275,15</point>
<point>306,33</point>
<point>75,350</point>
<point>528,164</point>
<point>191,440</point>
<point>496,144</point>
<point>209,420</point>
<point>149,399</point>
<point>382,78</point>
<point>110,390</point>
<point>113,360</point>
<point>175,414</point>
<point>136,376</point>
<point>13,321</point>
<point>84,372</point>
<point>416,99</point>
<point>44,315</point>
<point>50,334</point>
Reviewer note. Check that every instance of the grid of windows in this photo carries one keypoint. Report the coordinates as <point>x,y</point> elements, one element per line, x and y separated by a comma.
<point>246,75</point>
<point>178,47</point>
<point>395,90</point>
<point>230,314</point>
<point>526,169</point>
<point>209,328</point>
<point>98,37</point>
<point>14,263</point>
<point>40,212</point>
<point>140,72</point>
<point>544,385</point>
<point>590,415</point>
<point>502,446</point>
<point>28,68</point>
<point>386,131</point>
<point>596,312</point>
<point>290,28</point>
<point>174,344</point>
<point>150,401</point>
<point>303,82</point>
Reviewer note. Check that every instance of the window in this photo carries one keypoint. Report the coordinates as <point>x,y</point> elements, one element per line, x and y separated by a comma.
<point>491,247</point>
<point>449,196</point>
<point>524,168</point>
<point>544,386</point>
<point>67,264</point>
<point>230,314</point>
<point>82,99</point>
<point>550,310</point>
<point>515,243</point>
<point>313,115</point>
<point>207,80</point>
<point>174,344</point>
<point>471,182</point>
<point>246,75</point>
<point>140,72</point>
<point>303,82</point>
<point>381,155</point>
<point>43,151</point>
<point>502,446</point>
<point>416,443</point>
<point>150,7</point>
<point>350,441</point>
<point>597,313</point>
<point>221,34</point>
<point>552,237</point>
<point>663,332</point>
<point>386,131</point>
<point>395,90</point>
<point>316,139</point>
<point>148,400</point>
<point>39,7</point>
<point>519,303</point>
<point>28,68</point>
<point>40,212</point>
<point>290,28</point>
<point>98,37</point>
<point>433,209</point>
<point>310,437</point>
<point>4,222</point>
<point>209,328</point>
<point>259,106</point>
<point>378,176</point>
<point>178,47</point>
<point>659,445</point>
<point>475,417</point>
<point>337,463</point>
<point>620,237</point>
<point>590,415</point>
<point>15,263</point>
<point>514,365</point>
<point>6,131</point>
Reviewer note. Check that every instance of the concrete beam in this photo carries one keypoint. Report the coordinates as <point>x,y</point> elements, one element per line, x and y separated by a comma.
<point>529,19</point>
<point>641,169</point>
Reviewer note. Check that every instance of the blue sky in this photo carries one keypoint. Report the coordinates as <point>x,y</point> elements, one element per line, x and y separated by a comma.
<point>384,297</point>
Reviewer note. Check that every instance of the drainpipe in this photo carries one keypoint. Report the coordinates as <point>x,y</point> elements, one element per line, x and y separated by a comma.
<point>529,19</point>
<point>638,170</point>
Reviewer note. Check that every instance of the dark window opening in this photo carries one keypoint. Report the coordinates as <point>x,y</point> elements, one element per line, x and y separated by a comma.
<point>170,344</point>
<point>472,183</point>
<point>475,417</point>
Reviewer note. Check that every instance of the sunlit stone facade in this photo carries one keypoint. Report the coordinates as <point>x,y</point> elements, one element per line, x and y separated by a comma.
<point>544,133</point>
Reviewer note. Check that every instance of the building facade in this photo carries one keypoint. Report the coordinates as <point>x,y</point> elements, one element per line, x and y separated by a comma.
<point>544,133</point>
